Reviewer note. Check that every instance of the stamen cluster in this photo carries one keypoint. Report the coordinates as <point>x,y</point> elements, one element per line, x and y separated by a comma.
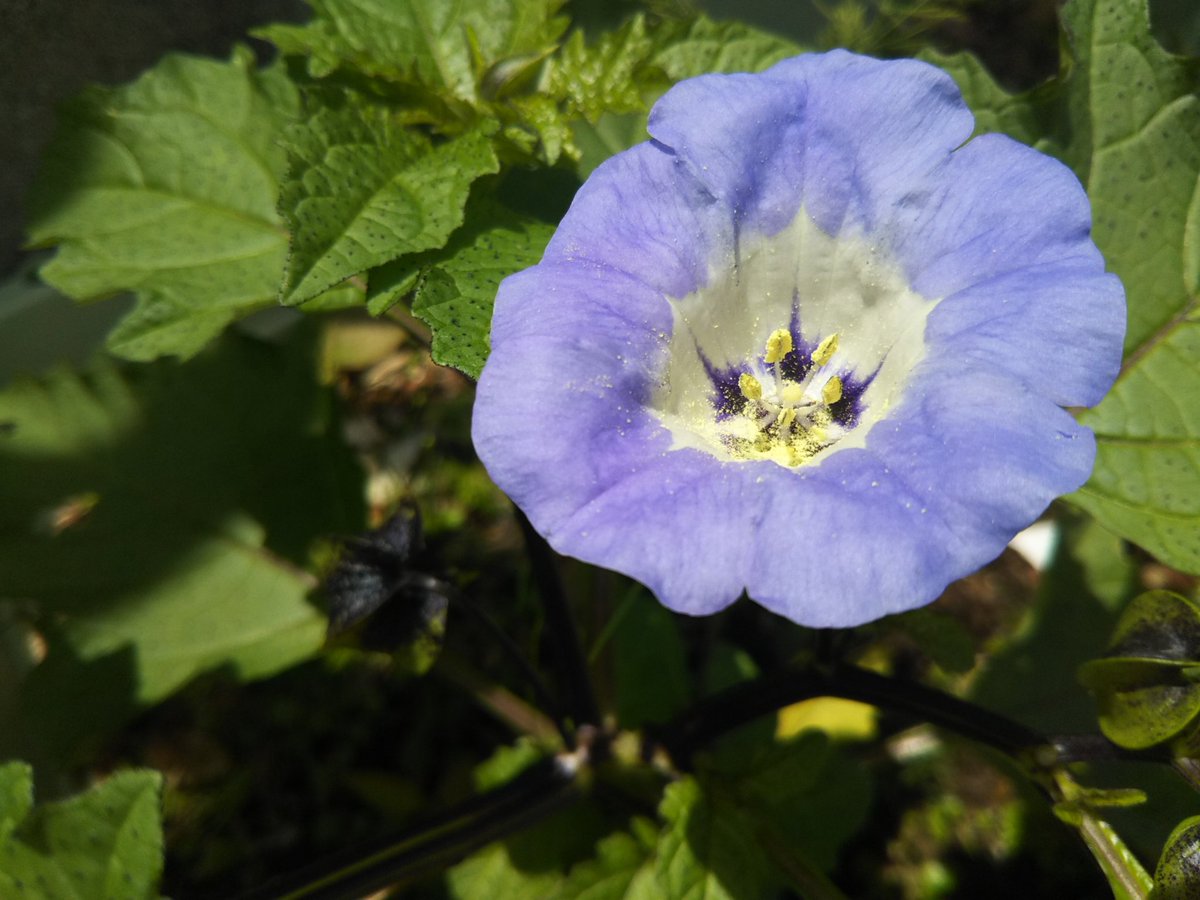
<point>793,419</point>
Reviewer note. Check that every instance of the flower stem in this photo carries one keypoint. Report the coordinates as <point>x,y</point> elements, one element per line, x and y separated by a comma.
<point>747,701</point>
<point>436,844</point>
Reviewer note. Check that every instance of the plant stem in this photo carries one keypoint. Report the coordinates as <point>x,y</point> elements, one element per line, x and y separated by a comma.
<point>568,654</point>
<point>436,844</point>
<point>747,701</point>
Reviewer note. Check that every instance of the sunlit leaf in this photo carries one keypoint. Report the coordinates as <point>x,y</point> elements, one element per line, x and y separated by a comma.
<point>168,188</point>
<point>364,190</point>
<point>105,844</point>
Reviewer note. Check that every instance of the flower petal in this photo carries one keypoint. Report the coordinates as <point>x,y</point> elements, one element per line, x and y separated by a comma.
<point>643,213</point>
<point>1069,312</point>
<point>998,206</point>
<point>560,407</point>
<point>847,136</point>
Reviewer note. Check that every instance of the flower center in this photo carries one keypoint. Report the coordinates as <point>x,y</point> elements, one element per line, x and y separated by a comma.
<point>790,418</point>
<point>852,333</point>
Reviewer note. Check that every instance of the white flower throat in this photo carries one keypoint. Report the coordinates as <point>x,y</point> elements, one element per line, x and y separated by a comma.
<point>742,388</point>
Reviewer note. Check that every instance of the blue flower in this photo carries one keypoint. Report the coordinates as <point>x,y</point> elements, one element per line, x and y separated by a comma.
<point>810,343</point>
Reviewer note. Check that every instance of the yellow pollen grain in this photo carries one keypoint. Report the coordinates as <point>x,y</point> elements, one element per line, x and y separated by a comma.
<point>832,391</point>
<point>825,350</point>
<point>750,386</point>
<point>779,345</point>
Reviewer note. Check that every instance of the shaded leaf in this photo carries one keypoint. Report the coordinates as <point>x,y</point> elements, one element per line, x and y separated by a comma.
<point>168,187</point>
<point>650,667</point>
<point>457,287</point>
<point>210,480</point>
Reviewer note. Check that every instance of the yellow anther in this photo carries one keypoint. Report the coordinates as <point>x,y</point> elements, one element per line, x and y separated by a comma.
<point>831,393</point>
<point>779,345</point>
<point>750,386</point>
<point>786,417</point>
<point>825,350</point>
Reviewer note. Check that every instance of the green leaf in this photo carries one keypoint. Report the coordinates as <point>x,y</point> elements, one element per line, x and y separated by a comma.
<point>944,639</point>
<point>607,76</point>
<point>106,843</point>
<point>492,873</point>
<point>1126,117</point>
<point>1136,142</point>
<point>708,851</point>
<point>448,48</point>
<point>706,46</point>
<point>168,188</point>
<point>650,666</point>
<point>164,516</point>
<point>1142,685</point>
<point>807,794</point>
<point>608,135</point>
<point>455,299</point>
<point>622,870</point>
<point>625,70</point>
<point>1177,876</point>
<point>364,190</point>
<point>16,797</point>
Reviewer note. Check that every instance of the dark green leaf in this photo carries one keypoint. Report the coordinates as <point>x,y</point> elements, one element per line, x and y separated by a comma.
<point>168,188</point>
<point>455,298</point>
<point>651,671</point>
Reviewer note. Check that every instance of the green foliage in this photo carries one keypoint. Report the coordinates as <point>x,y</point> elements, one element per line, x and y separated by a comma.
<point>709,850</point>
<point>159,518</point>
<point>458,50</point>
<point>455,296</point>
<point>167,187</point>
<point>363,191</point>
<point>1148,683</point>
<point>1177,876</point>
<point>158,522</point>
<point>1136,142</point>
<point>622,869</point>
<point>651,672</point>
<point>105,844</point>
